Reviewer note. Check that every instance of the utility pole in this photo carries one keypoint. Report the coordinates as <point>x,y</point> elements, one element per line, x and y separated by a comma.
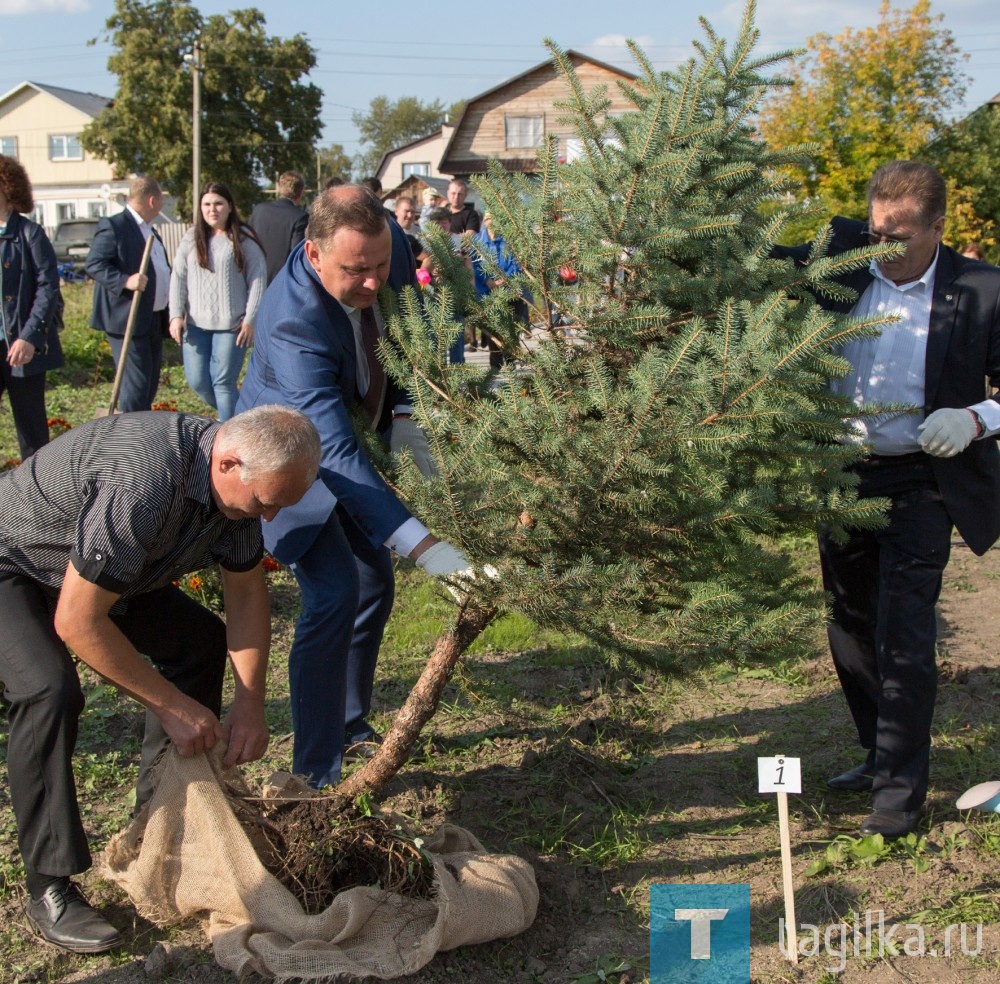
<point>194,60</point>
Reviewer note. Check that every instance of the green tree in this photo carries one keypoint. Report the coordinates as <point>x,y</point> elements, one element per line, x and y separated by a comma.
<point>334,162</point>
<point>866,97</point>
<point>389,124</point>
<point>967,153</point>
<point>258,117</point>
<point>634,480</point>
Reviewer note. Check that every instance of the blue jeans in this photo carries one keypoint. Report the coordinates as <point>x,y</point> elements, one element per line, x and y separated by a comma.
<point>212,364</point>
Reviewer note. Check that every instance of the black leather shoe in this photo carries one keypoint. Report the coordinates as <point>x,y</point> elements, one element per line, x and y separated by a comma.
<point>63,917</point>
<point>856,780</point>
<point>891,823</point>
<point>362,750</point>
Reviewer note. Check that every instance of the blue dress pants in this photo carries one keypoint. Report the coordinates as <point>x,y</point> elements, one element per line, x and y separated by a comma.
<point>885,585</point>
<point>182,639</point>
<point>347,590</point>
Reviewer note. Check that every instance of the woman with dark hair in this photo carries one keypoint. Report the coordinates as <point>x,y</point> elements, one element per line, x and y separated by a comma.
<point>216,287</point>
<point>32,304</point>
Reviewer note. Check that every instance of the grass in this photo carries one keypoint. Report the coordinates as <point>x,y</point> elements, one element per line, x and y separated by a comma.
<point>608,780</point>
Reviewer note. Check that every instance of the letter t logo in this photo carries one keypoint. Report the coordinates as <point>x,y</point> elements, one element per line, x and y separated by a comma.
<point>701,929</point>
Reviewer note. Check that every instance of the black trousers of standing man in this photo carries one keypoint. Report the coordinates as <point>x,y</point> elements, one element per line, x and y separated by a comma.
<point>183,640</point>
<point>885,585</point>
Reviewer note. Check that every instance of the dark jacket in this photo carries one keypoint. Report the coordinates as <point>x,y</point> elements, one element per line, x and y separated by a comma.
<point>114,256</point>
<point>963,350</point>
<point>304,357</point>
<point>32,303</point>
<point>280,226</point>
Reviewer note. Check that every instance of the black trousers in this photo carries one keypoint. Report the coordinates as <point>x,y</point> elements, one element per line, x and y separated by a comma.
<point>143,364</point>
<point>27,404</point>
<point>885,585</point>
<point>182,639</point>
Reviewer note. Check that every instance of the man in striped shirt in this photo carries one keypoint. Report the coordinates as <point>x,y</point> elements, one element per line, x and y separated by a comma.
<point>93,534</point>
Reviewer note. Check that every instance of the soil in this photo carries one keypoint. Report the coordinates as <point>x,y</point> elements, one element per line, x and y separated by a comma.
<point>316,849</point>
<point>683,785</point>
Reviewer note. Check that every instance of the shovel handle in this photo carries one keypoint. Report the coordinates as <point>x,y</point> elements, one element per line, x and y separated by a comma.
<point>129,328</point>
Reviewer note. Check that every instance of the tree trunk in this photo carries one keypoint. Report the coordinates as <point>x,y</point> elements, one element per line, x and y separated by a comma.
<point>419,706</point>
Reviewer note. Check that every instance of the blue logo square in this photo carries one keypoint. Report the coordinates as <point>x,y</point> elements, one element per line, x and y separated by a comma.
<point>699,933</point>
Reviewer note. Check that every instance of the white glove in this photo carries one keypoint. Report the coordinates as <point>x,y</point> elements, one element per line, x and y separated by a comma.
<point>407,433</point>
<point>948,432</point>
<point>443,560</point>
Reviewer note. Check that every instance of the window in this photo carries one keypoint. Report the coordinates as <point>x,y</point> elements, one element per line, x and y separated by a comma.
<point>8,146</point>
<point>65,147</point>
<point>523,131</point>
<point>97,210</point>
<point>65,211</point>
<point>422,168</point>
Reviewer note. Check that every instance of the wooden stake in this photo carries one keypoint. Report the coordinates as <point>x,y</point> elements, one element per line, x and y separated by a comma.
<point>786,878</point>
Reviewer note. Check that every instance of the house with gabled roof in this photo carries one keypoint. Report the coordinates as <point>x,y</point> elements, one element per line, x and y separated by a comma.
<point>40,125</point>
<point>510,121</point>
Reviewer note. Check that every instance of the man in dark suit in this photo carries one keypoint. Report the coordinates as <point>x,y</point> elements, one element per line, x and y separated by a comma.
<point>314,350</point>
<point>938,467</point>
<point>281,225</point>
<point>113,262</point>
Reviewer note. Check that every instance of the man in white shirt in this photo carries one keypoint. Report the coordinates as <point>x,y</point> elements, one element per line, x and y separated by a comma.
<point>938,466</point>
<point>113,262</point>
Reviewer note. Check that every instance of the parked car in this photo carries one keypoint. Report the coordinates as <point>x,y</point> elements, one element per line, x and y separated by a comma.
<point>72,241</point>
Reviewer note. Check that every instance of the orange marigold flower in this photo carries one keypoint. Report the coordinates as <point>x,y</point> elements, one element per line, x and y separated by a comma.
<point>10,463</point>
<point>195,583</point>
<point>270,564</point>
<point>165,405</point>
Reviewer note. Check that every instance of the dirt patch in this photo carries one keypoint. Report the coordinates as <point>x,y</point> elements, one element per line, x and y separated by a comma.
<point>610,782</point>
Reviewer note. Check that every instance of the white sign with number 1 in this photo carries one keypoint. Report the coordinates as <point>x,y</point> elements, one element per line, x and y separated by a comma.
<point>779,775</point>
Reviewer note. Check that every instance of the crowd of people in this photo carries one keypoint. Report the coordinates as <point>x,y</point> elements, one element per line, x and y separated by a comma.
<point>131,502</point>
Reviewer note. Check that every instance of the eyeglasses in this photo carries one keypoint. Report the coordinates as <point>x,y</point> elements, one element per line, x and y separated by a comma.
<point>875,238</point>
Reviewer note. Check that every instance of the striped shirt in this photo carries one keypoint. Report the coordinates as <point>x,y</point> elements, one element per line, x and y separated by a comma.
<point>128,500</point>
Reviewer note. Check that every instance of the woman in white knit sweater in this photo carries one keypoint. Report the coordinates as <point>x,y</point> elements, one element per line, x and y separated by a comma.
<point>216,287</point>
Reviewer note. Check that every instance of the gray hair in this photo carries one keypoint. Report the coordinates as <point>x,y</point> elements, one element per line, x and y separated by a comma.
<point>270,439</point>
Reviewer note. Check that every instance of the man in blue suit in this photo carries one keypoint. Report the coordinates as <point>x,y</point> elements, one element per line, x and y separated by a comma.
<point>938,466</point>
<point>113,262</point>
<point>314,351</point>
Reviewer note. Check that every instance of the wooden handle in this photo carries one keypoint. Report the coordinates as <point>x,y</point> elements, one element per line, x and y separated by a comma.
<point>129,327</point>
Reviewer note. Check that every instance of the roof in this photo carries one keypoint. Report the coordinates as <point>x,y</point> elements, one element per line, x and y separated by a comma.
<point>570,53</point>
<point>436,134</point>
<point>440,185</point>
<point>85,102</point>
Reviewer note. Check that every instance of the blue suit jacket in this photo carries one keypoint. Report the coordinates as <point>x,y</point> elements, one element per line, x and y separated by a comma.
<point>304,357</point>
<point>114,256</point>
<point>963,350</point>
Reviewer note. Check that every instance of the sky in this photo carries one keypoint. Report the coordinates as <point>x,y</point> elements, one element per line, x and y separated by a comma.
<point>456,51</point>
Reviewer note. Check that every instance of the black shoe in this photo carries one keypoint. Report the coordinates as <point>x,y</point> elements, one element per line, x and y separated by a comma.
<point>62,916</point>
<point>361,750</point>
<point>856,780</point>
<point>891,823</point>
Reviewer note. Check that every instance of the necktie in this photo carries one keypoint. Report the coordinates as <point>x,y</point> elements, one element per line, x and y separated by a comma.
<point>372,400</point>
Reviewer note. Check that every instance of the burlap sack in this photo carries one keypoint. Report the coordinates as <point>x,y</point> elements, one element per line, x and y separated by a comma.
<point>186,855</point>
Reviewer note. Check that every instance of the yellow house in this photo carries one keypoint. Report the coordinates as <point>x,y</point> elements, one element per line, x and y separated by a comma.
<point>40,125</point>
